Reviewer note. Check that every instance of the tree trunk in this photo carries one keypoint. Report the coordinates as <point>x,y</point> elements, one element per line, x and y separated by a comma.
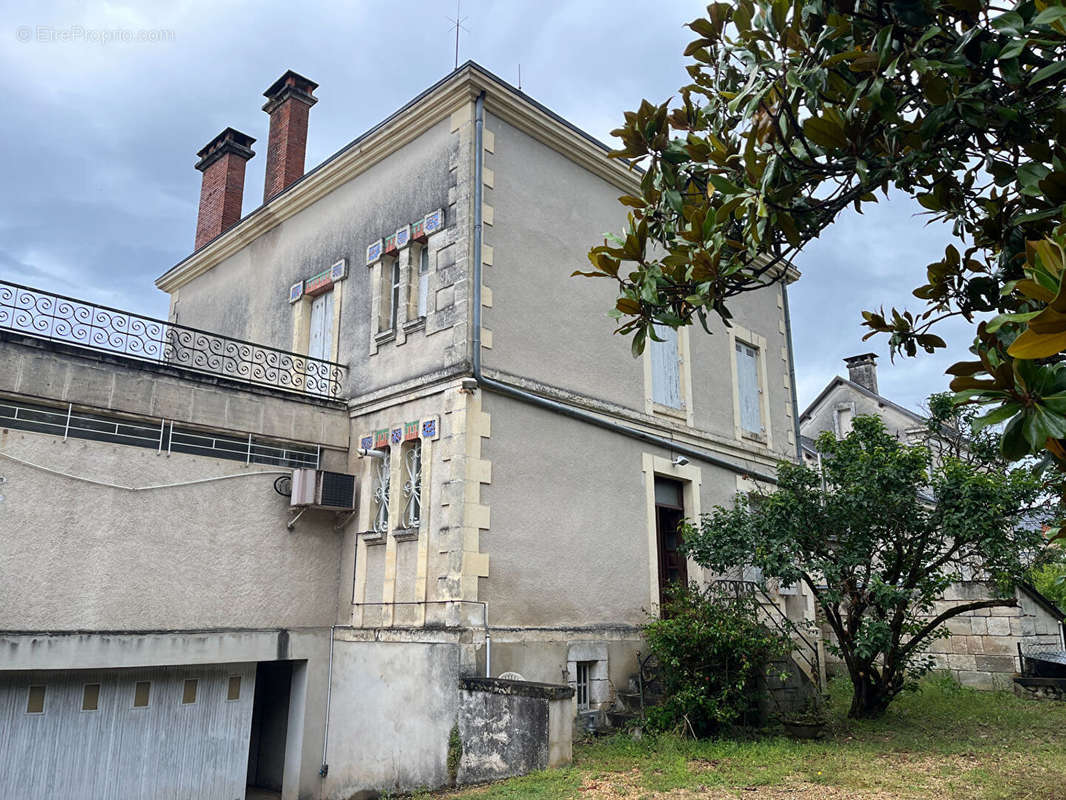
<point>869,699</point>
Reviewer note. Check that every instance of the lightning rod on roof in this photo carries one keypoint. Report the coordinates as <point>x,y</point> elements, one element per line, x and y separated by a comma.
<point>457,23</point>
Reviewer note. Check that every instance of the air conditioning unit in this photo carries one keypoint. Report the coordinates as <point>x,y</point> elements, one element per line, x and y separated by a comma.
<point>317,488</point>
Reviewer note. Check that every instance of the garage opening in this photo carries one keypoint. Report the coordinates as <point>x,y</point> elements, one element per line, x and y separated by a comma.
<point>270,724</point>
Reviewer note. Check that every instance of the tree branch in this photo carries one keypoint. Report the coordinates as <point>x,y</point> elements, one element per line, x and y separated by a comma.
<point>952,612</point>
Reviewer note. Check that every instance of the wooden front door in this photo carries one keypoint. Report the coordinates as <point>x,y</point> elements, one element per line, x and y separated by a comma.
<point>669,513</point>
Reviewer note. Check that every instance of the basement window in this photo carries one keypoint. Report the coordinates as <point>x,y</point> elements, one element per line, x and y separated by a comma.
<point>35,700</point>
<point>581,687</point>
<point>90,697</point>
<point>188,694</point>
<point>142,691</point>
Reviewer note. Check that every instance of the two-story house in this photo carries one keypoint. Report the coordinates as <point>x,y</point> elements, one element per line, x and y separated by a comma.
<point>520,475</point>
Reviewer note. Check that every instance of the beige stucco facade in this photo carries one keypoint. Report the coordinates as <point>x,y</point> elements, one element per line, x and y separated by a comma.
<point>535,548</point>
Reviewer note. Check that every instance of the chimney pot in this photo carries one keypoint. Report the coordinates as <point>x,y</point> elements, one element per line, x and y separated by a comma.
<point>222,162</point>
<point>862,370</point>
<point>289,99</point>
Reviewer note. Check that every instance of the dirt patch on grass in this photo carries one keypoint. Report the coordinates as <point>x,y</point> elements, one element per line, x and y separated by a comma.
<point>628,786</point>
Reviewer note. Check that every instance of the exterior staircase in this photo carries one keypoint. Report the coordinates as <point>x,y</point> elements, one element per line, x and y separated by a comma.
<point>806,654</point>
<point>804,670</point>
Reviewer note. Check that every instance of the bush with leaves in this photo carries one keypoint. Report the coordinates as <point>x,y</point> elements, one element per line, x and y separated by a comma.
<point>877,537</point>
<point>713,654</point>
<point>1049,578</point>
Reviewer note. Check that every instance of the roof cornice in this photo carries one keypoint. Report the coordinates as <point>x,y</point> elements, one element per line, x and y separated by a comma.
<point>412,120</point>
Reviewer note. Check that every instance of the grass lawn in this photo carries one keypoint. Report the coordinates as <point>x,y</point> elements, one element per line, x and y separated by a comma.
<point>942,742</point>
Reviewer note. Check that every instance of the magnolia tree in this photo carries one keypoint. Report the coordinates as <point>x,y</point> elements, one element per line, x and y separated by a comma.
<point>800,109</point>
<point>877,536</point>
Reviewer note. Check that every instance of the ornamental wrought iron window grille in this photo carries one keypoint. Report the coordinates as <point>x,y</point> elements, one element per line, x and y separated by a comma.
<point>382,479</point>
<point>412,484</point>
<point>53,317</point>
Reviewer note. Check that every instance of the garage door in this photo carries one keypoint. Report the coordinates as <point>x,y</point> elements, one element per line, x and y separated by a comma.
<point>130,734</point>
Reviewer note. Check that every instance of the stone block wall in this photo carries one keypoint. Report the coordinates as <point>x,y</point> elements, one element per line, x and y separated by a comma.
<point>510,728</point>
<point>981,649</point>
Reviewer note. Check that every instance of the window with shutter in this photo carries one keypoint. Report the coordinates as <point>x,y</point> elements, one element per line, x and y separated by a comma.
<point>423,281</point>
<point>320,338</point>
<point>665,368</point>
<point>748,389</point>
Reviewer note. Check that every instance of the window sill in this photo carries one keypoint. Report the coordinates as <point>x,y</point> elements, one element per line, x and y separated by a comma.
<point>385,337</point>
<point>373,537</point>
<point>669,411</point>
<point>414,325</point>
<point>760,438</point>
<point>405,534</point>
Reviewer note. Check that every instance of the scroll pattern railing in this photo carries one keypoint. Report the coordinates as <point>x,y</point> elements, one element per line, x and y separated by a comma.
<point>64,319</point>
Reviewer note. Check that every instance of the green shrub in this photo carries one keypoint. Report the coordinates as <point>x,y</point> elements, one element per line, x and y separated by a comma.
<point>1050,581</point>
<point>713,654</point>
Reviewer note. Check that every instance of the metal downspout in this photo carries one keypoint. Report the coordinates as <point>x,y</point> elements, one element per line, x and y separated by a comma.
<point>324,769</point>
<point>543,402</point>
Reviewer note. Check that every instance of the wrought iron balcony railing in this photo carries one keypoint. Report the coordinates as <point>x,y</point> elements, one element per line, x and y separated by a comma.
<point>75,322</point>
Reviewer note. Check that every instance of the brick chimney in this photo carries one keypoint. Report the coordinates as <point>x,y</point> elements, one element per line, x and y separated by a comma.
<point>289,99</point>
<point>863,370</point>
<point>222,161</point>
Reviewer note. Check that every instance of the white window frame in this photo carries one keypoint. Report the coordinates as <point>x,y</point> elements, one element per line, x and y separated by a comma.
<point>741,335</point>
<point>652,407</point>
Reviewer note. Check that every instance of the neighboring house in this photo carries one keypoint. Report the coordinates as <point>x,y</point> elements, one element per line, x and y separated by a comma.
<point>519,474</point>
<point>982,650</point>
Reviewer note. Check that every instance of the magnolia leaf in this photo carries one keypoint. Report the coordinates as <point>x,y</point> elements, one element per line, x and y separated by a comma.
<point>1031,345</point>
<point>995,416</point>
<point>1047,72</point>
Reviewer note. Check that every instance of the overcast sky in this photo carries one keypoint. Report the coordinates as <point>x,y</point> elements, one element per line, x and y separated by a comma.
<point>99,135</point>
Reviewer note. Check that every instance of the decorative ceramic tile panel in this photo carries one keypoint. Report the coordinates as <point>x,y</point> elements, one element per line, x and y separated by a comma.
<point>339,271</point>
<point>418,230</point>
<point>296,291</point>
<point>403,237</point>
<point>390,243</point>
<point>381,438</point>
<point>367,443</point>
<point>434,221</point>
<point>319,283</point>
<point>373,251</point>
<point>429,428</point>
<point>397,435</point>
<point>410,430</point>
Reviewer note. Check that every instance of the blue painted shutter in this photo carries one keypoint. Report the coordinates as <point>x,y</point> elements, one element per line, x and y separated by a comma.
<point>665,368</point>
<point>748,388</point>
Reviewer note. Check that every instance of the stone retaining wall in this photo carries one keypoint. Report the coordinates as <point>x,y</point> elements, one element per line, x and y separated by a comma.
<point>982,648</point>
